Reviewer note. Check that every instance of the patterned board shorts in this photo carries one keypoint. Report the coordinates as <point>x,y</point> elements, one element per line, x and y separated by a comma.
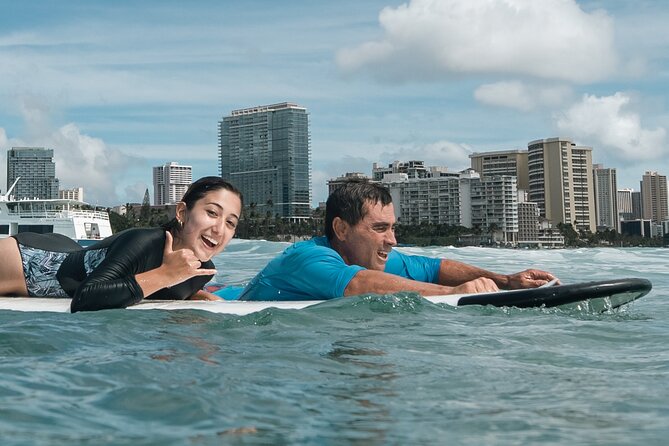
<point>40,268</point>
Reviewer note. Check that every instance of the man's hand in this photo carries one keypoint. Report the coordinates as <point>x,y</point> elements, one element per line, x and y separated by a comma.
<point>530,278</point>
<point>480,285</point>
<point>204,295</point>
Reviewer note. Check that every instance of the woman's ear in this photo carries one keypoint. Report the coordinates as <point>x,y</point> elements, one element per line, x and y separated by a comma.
<point>340,229</point>
<point>181,212</point>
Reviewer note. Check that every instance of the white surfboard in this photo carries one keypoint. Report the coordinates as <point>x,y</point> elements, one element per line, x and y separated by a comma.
<point>595,296</point>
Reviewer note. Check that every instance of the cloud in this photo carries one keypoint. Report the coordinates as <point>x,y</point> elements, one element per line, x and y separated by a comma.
<point>81,160</point>
<point>521,96</point>
<point>606,121</point>
<point>326,170</point>
<point>135,192</point>
<point>434,39</point>
<point>453,155</point>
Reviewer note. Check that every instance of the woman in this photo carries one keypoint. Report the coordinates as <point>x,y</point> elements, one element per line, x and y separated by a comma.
<point>173,262</point>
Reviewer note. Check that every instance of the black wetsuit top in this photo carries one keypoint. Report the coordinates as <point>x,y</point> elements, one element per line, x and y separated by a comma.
<point>112,284</point>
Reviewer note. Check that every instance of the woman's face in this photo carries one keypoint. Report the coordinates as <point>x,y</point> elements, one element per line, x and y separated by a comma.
<point>210,225</point>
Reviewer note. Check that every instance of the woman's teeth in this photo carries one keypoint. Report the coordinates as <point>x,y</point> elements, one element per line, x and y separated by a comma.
<point>209,241</point>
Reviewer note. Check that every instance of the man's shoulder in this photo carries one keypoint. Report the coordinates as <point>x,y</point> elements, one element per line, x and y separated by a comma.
<point>315,245</point>
<point>301,253</point>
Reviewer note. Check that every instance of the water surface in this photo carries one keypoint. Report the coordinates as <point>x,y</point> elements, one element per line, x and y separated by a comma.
<point>391,369</point>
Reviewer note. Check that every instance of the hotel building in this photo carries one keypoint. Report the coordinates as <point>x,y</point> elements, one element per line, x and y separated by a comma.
<point>35,167</point>
<point>503,162</point>
<point>170,182</point>
<point>561,183</point>
<point>76,193</point>
<point>654,200</point>
<point>606,199</point>
<point>265,152</point>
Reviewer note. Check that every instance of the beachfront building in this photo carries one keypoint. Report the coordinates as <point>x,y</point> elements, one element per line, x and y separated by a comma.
<point>606,199</point>
<point>457,199</point>
<point>412,169</point>
<point>170,182</point>
<point>561,183</point>
<point>624,203</point>
<point>636,205</point>
<point>503,162</point>
<point>528,222</point>
<point>654,202</point>
<point>37,170</point>
<point>639,227</point>
<point>265,152</point>
<point>76,193</point>
<point>494,207</point>
<point>334,183</point>
<point>425,200</point>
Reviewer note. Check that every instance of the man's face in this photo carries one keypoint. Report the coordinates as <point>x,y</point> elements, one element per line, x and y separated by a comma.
<point>369,242</point>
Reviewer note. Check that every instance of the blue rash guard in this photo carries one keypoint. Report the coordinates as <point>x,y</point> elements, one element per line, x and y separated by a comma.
<point>312,270</point>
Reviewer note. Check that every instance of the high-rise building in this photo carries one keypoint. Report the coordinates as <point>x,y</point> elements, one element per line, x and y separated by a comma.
<point>265,152</point>
<point>528,221</point>
<point>457,199</point>
<point>636,205</point>
<point>503,162</point>
<point>413,169</point>
<point>334,183</point>
<point>76,193</point>
<point>625,204</point>
<point>560,182</point>
<point>495,206</point>
<point>654,202</point>
<point>170,182</point>
<point>606,197</point>
<point>35,167</point>
<point>425,200</point>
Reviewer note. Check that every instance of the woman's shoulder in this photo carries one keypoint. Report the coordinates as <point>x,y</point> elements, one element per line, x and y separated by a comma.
<point>143,234</point>
<point>133,237</point>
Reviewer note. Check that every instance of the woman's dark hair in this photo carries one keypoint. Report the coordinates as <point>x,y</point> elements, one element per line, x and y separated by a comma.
<point>199,189</point>
<point>348,201</point>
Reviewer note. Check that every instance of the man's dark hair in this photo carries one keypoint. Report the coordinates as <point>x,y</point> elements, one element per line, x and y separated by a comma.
<point>348,201</point>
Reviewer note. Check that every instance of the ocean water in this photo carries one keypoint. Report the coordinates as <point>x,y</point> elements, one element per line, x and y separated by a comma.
<point>369,370</point>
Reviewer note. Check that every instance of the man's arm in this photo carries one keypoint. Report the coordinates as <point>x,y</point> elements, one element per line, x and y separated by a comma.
<point>370,281</point>
<point>454,273</point>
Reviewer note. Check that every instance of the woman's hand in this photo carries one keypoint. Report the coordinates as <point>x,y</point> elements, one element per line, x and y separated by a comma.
<point>180,265</point>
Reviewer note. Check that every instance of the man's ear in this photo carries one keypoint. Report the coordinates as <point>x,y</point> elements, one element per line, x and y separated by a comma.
<point>340,229</point>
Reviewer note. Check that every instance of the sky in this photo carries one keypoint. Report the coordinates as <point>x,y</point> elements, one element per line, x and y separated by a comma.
<point>116,88</point>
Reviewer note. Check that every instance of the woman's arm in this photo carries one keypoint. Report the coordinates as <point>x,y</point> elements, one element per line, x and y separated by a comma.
<point>176,267</point>
<point>137,265</point>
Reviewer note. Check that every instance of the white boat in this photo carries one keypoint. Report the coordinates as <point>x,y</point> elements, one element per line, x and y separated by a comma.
<point>61,216</point>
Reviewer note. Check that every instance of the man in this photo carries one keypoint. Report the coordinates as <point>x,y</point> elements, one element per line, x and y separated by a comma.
<point>356,256</point>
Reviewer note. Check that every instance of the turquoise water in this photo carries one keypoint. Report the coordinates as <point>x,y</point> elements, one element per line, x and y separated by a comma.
<point>370,370</point>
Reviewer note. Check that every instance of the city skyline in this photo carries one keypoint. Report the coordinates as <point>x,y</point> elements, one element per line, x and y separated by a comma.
<point>115,89</point>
